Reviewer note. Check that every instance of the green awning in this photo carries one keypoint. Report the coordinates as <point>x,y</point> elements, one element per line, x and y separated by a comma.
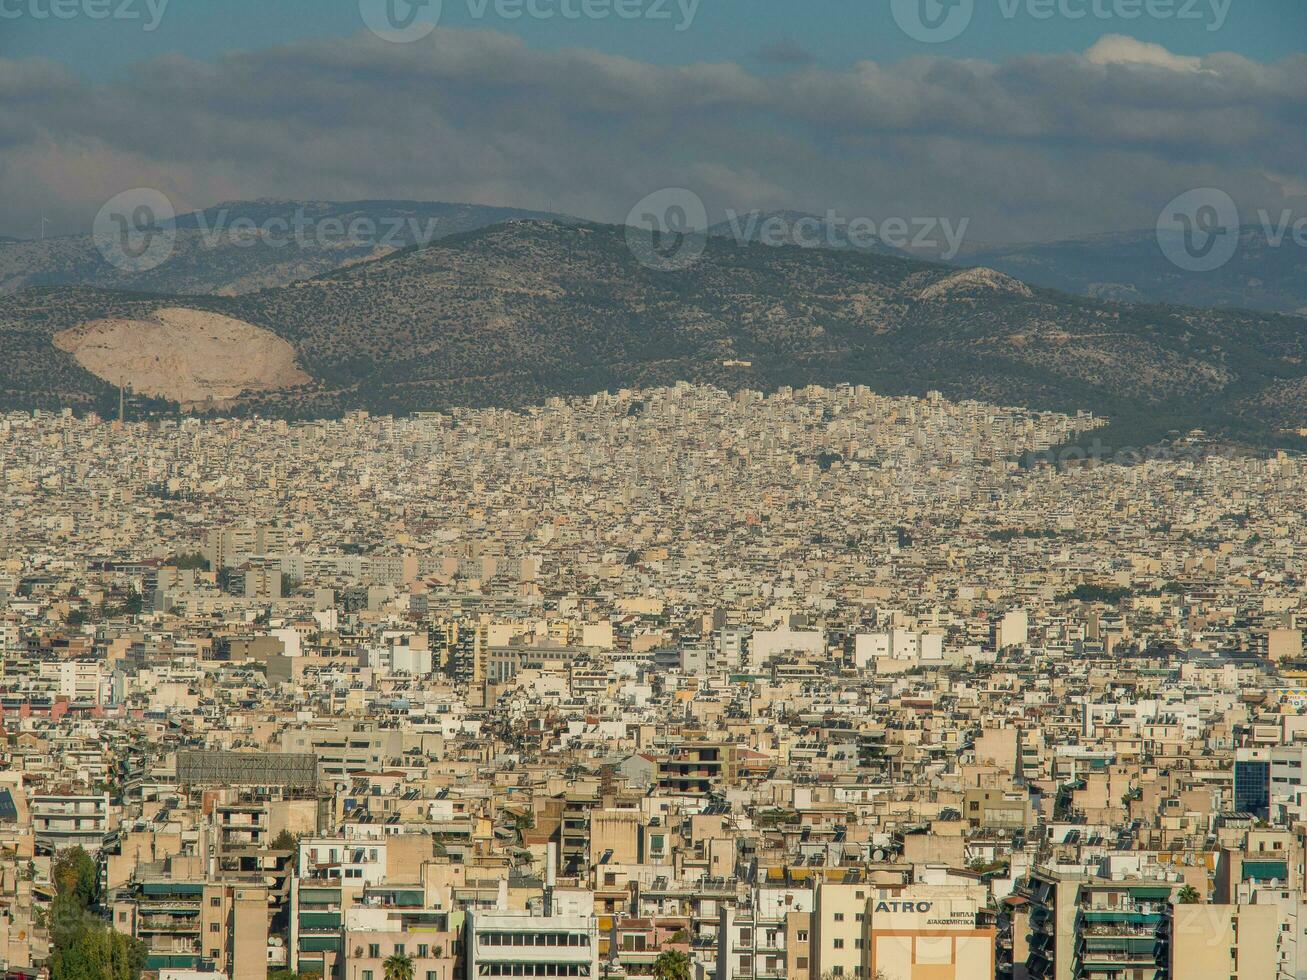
<point>319,944</point>
<point>1151,892</point>
<point>319,920</point>
<point>1265,870</point>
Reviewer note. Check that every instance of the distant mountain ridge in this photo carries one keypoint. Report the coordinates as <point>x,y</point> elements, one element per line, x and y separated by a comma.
<point>216,253</point>
<point>1131,267</point>
<point>243,246</point>
<point>514,313</point>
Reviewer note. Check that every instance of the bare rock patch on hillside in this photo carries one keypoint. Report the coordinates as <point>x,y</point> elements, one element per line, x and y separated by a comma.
<point>187,356</point>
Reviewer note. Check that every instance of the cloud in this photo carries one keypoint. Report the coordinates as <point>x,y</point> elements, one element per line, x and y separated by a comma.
<point>1034,147</point>
<point>1117,49</point>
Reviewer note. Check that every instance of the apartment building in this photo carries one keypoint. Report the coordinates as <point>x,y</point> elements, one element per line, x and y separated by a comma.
<point>508,944</point>
<point>61,821</point>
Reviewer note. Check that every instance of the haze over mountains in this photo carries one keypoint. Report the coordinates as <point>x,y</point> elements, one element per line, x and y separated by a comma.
<point>513,313</point>
<point>1264,274</point>
<point>242,246</point>
<point>215,254</point>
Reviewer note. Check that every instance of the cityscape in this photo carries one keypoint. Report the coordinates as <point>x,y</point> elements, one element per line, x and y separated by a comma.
<point>653,490</point>
<point>815,683</point>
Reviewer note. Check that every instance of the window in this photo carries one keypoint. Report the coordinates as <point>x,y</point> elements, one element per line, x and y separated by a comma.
<point>367,975</point>
<point>399,949</point>
<point>801,962</point>
<point>803,935</point>
<point>213,954</point>
<point>431,975</point>
<point>215,902</point>
<point>423,951</point>
<point>839,916</point>
<point>215,927</point>
<point>839,944</point>
<point>374,950</point>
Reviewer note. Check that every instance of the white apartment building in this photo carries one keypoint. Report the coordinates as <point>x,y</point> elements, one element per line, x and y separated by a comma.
<point>518,944</point>
<point>62,821</point>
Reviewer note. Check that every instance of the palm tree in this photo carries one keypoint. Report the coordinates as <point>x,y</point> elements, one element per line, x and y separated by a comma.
<point>672,964</point>
<point>1188,895</point>
<point>398,966</point>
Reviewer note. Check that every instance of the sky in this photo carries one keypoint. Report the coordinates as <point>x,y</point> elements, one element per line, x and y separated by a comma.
<point>1028,119</point>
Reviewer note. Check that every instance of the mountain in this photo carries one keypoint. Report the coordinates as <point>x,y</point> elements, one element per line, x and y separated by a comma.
<point>243,246</point>
<point>514,313</point>
<point>1131,267</point>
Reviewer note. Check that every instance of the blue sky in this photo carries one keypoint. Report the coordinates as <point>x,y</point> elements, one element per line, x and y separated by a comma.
<point>834,32</point>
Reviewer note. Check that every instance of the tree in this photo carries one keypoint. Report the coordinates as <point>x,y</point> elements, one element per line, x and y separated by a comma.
<point>82,947</point>
<point>284,841</point>
<point>671,964</point>
<point>398,966</point>
<point>1188,895</point>
<point>90,951</point>
<point>192,560</point>
<point>228,579</point>
<point>76,877</point>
